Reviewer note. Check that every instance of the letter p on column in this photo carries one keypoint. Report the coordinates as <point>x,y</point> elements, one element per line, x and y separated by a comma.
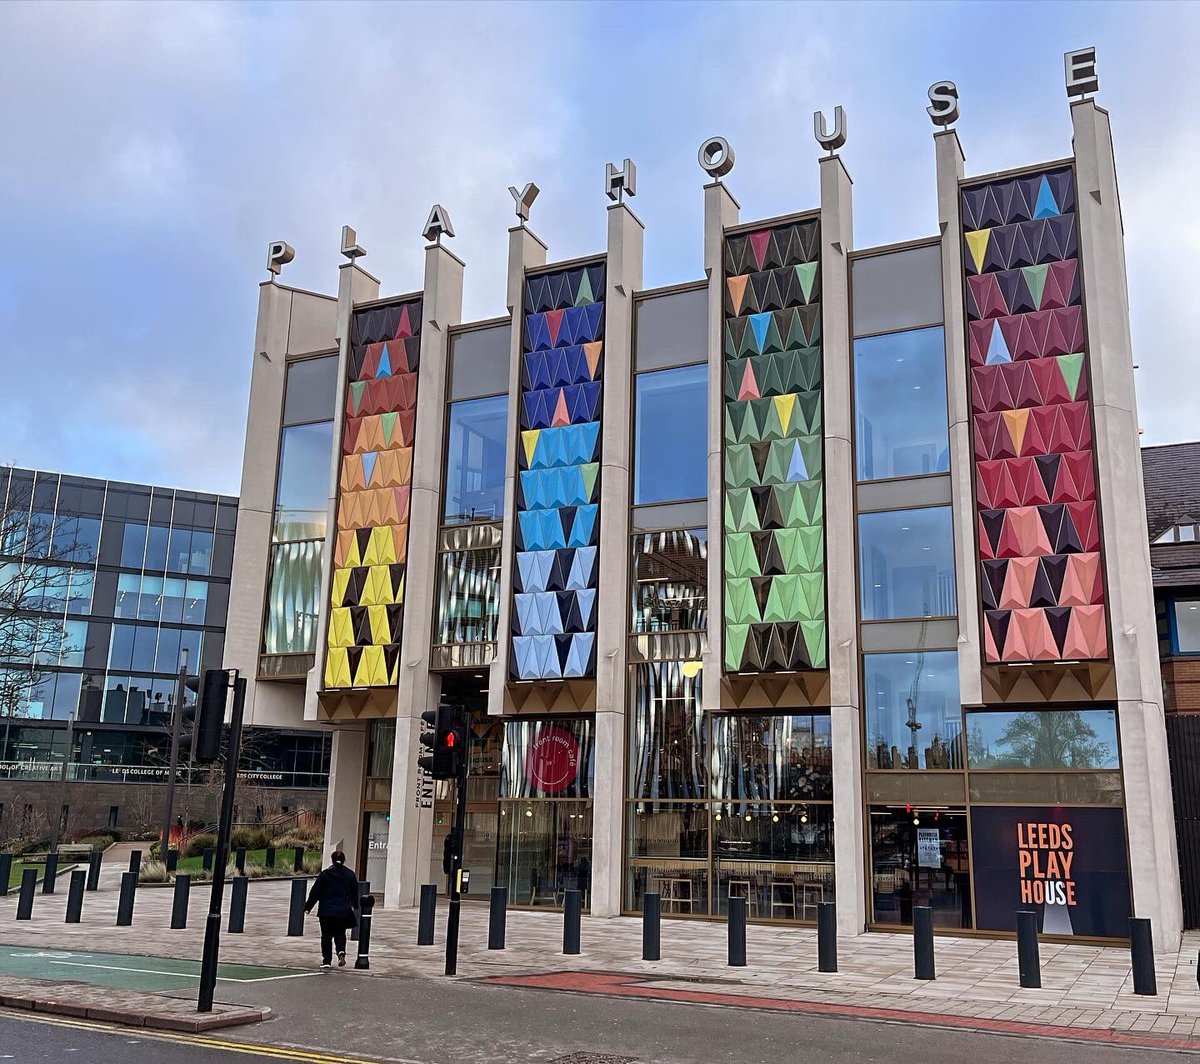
<point>279,254</point>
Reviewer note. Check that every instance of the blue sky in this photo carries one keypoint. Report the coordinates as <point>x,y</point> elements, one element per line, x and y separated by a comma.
<point>152,152</point>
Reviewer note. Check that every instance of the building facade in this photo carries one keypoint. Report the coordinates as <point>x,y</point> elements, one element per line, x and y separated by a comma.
<point>105,587</point>
<point>813,578</point>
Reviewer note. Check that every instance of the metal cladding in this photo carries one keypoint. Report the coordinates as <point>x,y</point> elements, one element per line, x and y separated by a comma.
<point>367,585</point>
<point>774,560</point>
<point>558,476</point>
<point>1038,529</point>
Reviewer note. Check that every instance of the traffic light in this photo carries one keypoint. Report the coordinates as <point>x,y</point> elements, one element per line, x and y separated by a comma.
<point>206,717</point>
<point>447,743</point>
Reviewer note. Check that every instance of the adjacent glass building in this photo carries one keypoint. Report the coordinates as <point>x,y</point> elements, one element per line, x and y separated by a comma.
<point>795,582</point>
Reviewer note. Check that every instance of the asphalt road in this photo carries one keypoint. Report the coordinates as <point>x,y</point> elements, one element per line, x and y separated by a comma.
<point>341,1016</point>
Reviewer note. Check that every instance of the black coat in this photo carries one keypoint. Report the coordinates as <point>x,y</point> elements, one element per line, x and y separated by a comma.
<point>335,894</point>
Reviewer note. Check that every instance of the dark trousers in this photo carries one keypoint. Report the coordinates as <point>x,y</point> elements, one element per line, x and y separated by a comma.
<point>333,933</point>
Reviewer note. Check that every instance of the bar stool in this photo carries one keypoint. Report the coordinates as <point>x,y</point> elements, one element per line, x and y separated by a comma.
<point>783,896</point>
<point>742,888</point>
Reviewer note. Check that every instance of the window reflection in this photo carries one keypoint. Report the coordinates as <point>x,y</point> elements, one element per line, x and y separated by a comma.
<point>476,454</point>
<point>670,577</point>
<point>666,734</point>
<point>668,854</point>
<point>914,717</point>
<point>764,759</point>
<point>919,857</point>
<point>468,596</point>
<point>302,493</point>
<point>900,404</point>
<point>292,606</point>
<point>1043,738</point>
<point>670,450</point>
<point>906,564</point>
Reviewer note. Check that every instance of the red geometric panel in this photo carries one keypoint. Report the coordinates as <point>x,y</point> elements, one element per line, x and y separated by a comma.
<point>1038,530</point>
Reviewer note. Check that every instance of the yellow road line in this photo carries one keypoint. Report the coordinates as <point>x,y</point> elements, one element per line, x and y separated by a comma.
<point>311,1056</point>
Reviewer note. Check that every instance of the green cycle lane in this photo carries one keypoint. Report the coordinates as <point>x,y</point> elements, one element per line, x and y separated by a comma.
<point>124,971</point>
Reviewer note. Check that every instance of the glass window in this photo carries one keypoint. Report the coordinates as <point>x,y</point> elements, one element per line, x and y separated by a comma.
<point>468,596</point>
<point>292,607</point>
<point>201,556</point>
<point>302,496</point>
<point>1043,738</point>
<point>167,655</point>
<point>191,640</point>
<point>668,854</point>
<point>666,733</point>
<point>128,587</point>
<point>66,695</point>
<point>120,650</point>
<point>669,581</point>
<point>157,537</point>
<point>1186,626</point>
<point>672,329</point>
<point>174,590</point>
<point>547,759</point>
<point>145,640</point>
<point>897,290</point>
<point>479,361</point>
<point>476,453</point>
<point>670,448</point>
<point>74,641</point>
<point>195,602</point>
<point>76,539</point>
<point>545,850</point>
<point>900,405</point>
<point>914,716</point>
<point>381,749</point>
<point>79,596</point>
<point>133,546</point>
<point>771,758</point>
<point>179,550</point>
<point>150,599</point>
<point>39,542</point>
<point>919,857</point>
<point>311,390</point>
<point>906,564</point>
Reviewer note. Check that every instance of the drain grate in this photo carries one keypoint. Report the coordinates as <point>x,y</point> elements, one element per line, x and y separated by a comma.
<point>593,1058</point>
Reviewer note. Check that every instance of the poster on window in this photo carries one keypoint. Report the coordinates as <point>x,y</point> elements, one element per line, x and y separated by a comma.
<point>1066,863</point>
<point>547,759</point>
<point>929,848</point>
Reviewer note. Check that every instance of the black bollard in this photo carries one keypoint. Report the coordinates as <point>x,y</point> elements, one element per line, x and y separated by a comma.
<point>270,859</point>
<point>210,855</point>
<point>1141,947</point>
<point>298,859</point>
<point>497,917</point>
<point>25,900</point>
<point>363,960</point>
<point>826,936</point>
<point>652,926</point>
<point>135,862</point>
<point>5,873</point>
<point>364,891</point>
<point>296,908</point>
<point>75,896</point>
<point>425,919</point>
<point>129,881</point>
<point>572,914</point>
<point>172,860</point>
<point>923,942</point>
<point>179,903</point>
<point>237,905</point>
<point>93,872</point>
<point>239,860</point>
<point>50,874</point>
<point>1029,964</point>
<point>737,932</point>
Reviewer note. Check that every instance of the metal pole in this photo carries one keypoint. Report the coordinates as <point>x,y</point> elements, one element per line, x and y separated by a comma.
<point>363,961</point>
<point>1141,948</point>
<point>129,882</point>
<point>5,873</point>
<point>179,903</point>
<point>50,875</point>
<point>497,916</point>
<point>364,891</point>
<point>737,932</point>
<point>212,928</point>
<point>1029,966</point>
<point>455,889</point>
<point>651,926</point>
<point>296,908</point>
<point>173,771</point>
<point>426,915</point>
<point>25,900</point>
<point>75,896</point>
<point>93,871</point>
<point>826,936</point>
<point>923,942</point>
<point>572,913</point>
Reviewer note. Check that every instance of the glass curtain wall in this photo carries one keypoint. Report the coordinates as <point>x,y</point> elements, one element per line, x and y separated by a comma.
<point>669,573</point>
<point>722,804</point>
<point>671,435</point>
<point>301,506</point>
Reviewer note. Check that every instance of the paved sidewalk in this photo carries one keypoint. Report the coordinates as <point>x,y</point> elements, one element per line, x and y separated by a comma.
<point>1083,986</point>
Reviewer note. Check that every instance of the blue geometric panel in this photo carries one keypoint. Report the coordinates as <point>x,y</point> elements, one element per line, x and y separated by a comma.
<point>558,482</point>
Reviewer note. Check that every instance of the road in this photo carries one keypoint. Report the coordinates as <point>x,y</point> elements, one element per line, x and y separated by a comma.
<point>343,1018</point>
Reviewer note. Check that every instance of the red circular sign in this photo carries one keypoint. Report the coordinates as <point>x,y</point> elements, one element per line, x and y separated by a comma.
<point>552,764</point>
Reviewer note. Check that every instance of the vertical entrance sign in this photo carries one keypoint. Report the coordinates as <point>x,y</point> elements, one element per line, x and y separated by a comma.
<point>558,475</point>
<point>774,559</point>
<point>367,586</point>
<point>1038,529</point>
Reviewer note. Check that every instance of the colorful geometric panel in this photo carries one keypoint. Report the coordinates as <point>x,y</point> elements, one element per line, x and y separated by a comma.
<point>371,544</point>
<point>558,476</point>
<point>1038,531</point>
<point>774,497</point>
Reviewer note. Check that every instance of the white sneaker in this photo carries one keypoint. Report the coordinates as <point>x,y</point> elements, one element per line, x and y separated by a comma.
<point>326,964</point>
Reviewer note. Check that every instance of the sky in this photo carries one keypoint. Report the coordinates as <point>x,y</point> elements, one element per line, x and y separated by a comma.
<point>153,151</point>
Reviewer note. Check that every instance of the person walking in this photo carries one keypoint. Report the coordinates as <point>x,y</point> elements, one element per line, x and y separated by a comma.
<point>335,894</point>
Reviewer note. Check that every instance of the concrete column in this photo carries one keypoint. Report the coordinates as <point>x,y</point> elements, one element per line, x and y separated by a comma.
<point>355,285</point>
<point>837,241</point>
<point>720,213</point>
<point>411,832</point>
<point>525,252</point>
<point>1149,812</point>
<point>624,277</point>
<point>347,763</point>
<point>949,158</point>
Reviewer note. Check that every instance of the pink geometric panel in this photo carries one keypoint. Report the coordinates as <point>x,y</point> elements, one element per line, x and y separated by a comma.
<point>1079,585</point>
<point>1035,631</point>
<point>1030,530</point>
<point>1018,583</point>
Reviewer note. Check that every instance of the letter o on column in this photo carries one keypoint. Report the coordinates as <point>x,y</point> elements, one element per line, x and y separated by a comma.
<point>716,156</point>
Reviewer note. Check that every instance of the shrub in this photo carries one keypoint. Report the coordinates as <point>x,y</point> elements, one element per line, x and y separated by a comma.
<point>312,864</point>
<point>251,838</point>
<point>153,872</point>
<point>197,844</point>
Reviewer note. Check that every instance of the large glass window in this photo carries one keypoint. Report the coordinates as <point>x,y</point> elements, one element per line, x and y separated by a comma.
<point>292,607</point>
<point>914,716</point>
<point>468,596</point>
<point>1043,738</point>
<point>670,448</point>
<point>669,581</point>
<point>900,404</point>
<point>157,540</point>
<point>1185,626</point>
<point>667,742</point>
<point>476,452</point>
<point>302,495</point>
<point>76,539</point>
<point>311,390</point>
<point>906,564</point>
<point>133,545</point>
<point>920,857</point>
